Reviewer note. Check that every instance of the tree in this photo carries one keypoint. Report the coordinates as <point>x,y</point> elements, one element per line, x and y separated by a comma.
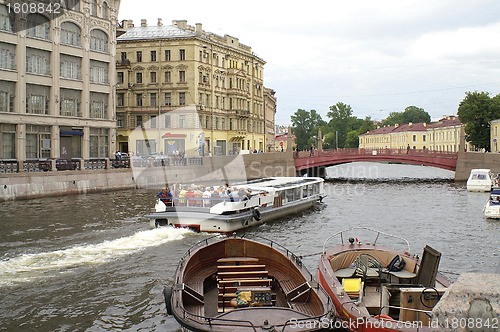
<point>410,114</point>
<point>305,126</point>
<point>341,122</point>
<point>475,112</point>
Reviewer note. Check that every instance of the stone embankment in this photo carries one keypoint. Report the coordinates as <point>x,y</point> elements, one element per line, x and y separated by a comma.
<point>228,169</point>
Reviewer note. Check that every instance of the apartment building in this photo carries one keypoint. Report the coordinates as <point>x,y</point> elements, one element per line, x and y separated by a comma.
<point>56,82</point>
<point>442,135</point>
<point>182,89</point>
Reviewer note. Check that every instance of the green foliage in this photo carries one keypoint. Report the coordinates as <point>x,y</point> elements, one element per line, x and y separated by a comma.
<point>475,112</point>
<point>410,114</point>
<point>305,126</point>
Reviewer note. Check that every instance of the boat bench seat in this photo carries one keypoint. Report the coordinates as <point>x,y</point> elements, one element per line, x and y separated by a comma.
<point>246,267</point>
<point>238,260</point>
<point>241,275</point>
<point>245,282</point>
<point>345,273</point>
<point>403,274</point>
<point>345,259</point>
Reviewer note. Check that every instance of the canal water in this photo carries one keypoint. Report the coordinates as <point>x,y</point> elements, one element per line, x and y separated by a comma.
<point>91,262</point>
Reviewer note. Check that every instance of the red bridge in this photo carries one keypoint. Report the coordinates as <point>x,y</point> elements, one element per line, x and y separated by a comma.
<point>315,164</point>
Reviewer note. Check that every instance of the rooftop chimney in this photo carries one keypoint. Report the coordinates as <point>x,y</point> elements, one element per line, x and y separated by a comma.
<point>198,28</point>
<point>182,24</point>
<point>144,23</point>
<point>160,23</point>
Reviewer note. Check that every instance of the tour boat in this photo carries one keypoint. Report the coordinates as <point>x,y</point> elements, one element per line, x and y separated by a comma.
<point>238,284</point>
<point>492,207</point>
<point>379,288</point>
<point>480,180</point>
<point>263,200</point>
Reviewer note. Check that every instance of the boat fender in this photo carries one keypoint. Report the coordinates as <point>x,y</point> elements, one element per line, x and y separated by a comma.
<point>383,317</point>
<point>167,293</point>
<point>256,214</point>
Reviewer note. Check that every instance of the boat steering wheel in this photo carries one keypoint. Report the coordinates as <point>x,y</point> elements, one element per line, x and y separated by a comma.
<point>423,296</point>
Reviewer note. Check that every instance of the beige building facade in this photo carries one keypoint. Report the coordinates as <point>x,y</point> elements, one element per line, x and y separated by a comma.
<point>56,82</point>
<point>442,135</point>
<point>494,135</point>
<point>183,90</point>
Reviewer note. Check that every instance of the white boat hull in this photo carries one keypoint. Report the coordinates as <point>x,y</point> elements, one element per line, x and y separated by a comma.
<point>210,223</point>
<point>492,211</point>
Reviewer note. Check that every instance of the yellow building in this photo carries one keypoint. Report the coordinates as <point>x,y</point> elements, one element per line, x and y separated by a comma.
<point>494,136</point>
<point>190,91</point>
<point>56,82</point>
<point>442,135</point>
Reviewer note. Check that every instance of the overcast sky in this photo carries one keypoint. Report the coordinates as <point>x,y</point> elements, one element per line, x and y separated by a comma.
<point>376,56</point>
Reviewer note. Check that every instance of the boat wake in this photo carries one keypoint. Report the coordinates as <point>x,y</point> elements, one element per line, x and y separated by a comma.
<point>27,267</point>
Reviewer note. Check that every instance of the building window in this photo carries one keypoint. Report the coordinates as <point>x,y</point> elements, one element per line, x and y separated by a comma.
<point>37,99</point>
<point>138,99</point>
<point>73,5</point>
<point>37,61</point>
<point>70,102</point>
<point>7,93</point>
<point>93,7</point>
<point>7,141</point>
<point>152,77</point>
<point>120,120</point>
<point>98,72</point>
<point>414,138</point>
<point>152,99</point>
<point>98,40</point>
<point>138,55</point>
<point>182,121</point>
<point>182,54</point>
<point>182,98</point>
<point>167,55</point>
<point>152,121</point>
<point>37,142</point>
<point>168,77</point>
<point>38,26</point>
<point>168,121</point>
<point>423,138</point>
<point>71,34</point>
<point>7,56</point>
<point>153,56</point>
<point>182,76</point>
<point>138,77</point>
<point>120,99</point>
<point>6,19</point>
<point>99,142</point>
<point>168,99</point>
<point>138,120</point>
<point>71,67</point>
<point>119,77</point>
<point>98,105</point>
<point>105,10</point>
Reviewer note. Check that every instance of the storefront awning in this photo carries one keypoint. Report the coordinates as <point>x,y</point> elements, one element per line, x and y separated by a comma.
<point>71,133</point>
<point>236,138</point>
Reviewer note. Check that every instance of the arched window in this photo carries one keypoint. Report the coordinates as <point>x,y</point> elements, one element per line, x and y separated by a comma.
<point>93,7</point>
<point>6,19</point>
<point>98,40</point>
<point>71,34</point>
<point>105,10</point>
<point>38,26</point>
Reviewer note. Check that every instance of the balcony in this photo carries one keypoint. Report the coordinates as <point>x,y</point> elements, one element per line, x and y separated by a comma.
<point>243,113</point>
<point>123,63</point>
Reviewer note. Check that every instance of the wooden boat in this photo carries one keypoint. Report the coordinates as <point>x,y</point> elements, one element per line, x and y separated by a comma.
<point>237,284</point>
<point>370,293</point>
<point>265,200</point>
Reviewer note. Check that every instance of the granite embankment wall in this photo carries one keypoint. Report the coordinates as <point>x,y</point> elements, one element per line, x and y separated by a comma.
<point>216,170</point>
<point>470,160</point>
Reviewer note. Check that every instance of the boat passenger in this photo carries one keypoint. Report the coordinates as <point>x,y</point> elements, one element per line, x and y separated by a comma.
<point>182,196</point>
<point>206,197</point>
<point>165,195</point>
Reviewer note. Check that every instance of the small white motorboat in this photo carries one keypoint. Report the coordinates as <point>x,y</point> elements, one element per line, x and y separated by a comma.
<point>492,207</point>
<point>480,180</point>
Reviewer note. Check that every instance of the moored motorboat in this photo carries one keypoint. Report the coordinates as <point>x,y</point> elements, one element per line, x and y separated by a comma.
<point>236,284</point>
<point>480,180</point>
<point>241,205</point>
<point>492,207</point>
<point>377,288</point>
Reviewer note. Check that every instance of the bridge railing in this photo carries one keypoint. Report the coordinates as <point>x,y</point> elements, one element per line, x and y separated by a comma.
<point>374,152</point>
